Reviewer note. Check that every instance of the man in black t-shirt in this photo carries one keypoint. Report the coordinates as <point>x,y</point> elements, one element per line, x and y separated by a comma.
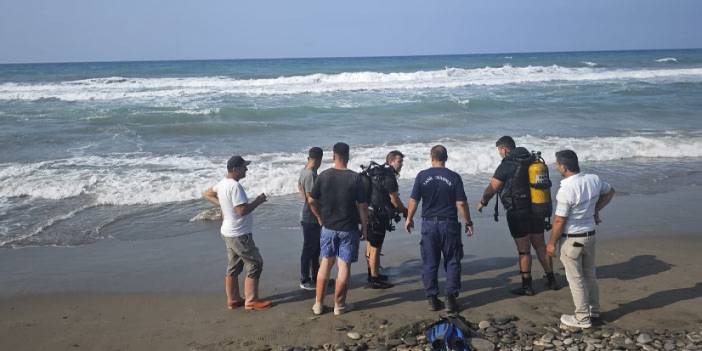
<point>441,192</point>
<point>511,180</point>
<point>338,200</point>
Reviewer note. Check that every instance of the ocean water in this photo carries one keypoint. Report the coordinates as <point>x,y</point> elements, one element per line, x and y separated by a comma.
<point>91,150</point>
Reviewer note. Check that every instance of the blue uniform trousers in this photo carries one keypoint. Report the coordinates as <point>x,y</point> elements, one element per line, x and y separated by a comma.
<point>441,237</point>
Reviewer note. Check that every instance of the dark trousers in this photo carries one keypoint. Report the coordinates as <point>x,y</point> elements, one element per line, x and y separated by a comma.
<point>441,237</point>
<point>309,260</point>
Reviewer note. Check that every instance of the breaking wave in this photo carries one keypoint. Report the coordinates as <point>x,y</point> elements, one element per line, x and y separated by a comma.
<point>155,89</point>
<point>141,178</point>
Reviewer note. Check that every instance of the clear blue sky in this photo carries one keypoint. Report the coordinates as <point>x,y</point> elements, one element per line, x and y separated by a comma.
<point>102,30</point>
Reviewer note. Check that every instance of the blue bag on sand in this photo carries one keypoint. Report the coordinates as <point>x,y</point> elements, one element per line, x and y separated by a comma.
<point>451,333</point>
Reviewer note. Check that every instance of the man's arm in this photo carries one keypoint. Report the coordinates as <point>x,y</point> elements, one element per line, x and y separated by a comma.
<point>363,214</point>
<point>556,233</point>
<point>397,203</point>
<point>244,209</point>
<point>301,190</point>
<point>492,189</point>
<point>314,207</point>
<point>211,196</point>
<point>409,221</point>
<point>309,200</point>
<point>465,213</point>
<point>601,203</point>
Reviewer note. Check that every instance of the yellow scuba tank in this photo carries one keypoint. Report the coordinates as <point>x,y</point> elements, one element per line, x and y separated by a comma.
<point>540,187</point>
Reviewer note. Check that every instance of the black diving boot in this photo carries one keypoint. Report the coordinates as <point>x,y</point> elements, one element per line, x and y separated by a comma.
<point>452,304</point>
<point>525,289</point>
<point>435,304</point>
<point>551,282</point>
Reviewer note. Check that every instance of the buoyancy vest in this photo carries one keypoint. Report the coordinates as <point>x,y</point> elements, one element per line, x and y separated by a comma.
<point>516,192</point>
<point>374,177</point>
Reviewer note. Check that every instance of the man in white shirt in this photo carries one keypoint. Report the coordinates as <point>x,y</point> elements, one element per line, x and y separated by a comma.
<point>580,199</point>
<point>236,230</point>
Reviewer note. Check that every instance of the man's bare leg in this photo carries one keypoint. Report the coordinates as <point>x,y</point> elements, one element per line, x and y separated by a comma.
<point>231,288</point>
<point>250,289</point>
<point>373,259</point>
<point>539,245</point>
<point>342,280</point>
<point>537,241</point>
<point>524,250</point>
<point>322,278</point>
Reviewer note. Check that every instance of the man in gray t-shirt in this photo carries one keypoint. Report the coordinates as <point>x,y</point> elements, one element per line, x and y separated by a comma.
<point>309,259</point>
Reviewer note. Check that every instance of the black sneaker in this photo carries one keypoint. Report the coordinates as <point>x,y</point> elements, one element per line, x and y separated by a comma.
<point>377,283</point>
<point>382,277</point>
<point>435,304</point>
<point>524,290</point>
<point>452,304</point>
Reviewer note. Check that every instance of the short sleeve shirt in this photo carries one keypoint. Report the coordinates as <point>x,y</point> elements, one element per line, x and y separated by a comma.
<point>576,200</point>
<point>231,194</point>
<point>306,182</point>
<point>338,192</point>
<point>504,171</point>
<point>439,189</point>
<point>391,183</point>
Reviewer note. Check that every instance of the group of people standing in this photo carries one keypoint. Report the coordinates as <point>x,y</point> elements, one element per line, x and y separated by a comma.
<point>342,207</point>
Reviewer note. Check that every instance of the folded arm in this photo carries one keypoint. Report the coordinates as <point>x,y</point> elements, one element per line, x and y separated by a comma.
<point>244,209</point>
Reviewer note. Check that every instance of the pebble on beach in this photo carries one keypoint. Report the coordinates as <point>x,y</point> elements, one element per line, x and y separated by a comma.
<point>353,335</point>
<point>502,334</point>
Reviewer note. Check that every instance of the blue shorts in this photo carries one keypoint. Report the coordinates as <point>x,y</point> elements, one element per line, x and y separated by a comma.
<point>336,243</point>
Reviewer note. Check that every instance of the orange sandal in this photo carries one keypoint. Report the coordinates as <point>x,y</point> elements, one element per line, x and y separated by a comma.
<point>258,305</point>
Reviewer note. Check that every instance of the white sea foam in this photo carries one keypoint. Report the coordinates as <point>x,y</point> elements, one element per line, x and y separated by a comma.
<point>141,178</point>
<point>667,59</point>
<point>158,90</point>
<point>459,100</point>
<point>203,111</point>
<point>589,63</point>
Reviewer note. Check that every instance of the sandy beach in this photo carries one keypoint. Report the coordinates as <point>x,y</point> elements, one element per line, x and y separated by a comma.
<point>652,284</point>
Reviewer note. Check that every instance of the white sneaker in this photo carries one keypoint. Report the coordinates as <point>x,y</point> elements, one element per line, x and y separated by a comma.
<point>341,309</point>
<point>569,320</point>
<point>307,286</point>
<point>317,309</point>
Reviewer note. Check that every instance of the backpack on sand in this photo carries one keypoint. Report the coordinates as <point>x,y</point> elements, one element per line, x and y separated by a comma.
<point>451,333</point>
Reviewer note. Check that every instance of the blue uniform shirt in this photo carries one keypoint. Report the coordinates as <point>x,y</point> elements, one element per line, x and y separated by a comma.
<point>439,189</point>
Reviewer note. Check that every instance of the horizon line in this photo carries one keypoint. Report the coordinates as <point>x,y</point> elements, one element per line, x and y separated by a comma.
<point>339,57</point>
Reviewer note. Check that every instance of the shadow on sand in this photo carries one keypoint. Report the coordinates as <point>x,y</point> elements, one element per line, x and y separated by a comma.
<point>653,301</point>
<point>409,272</point>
